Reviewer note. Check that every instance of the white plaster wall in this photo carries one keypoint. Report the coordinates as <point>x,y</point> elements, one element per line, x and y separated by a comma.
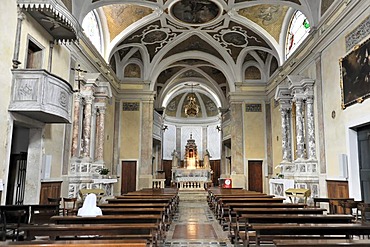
<point>214,142</point>
<point>339,139</point>
<point>169,142</point>
<point>6,54</point>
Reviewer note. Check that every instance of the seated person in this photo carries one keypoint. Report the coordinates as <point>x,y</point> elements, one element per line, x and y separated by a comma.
<point>89,207</point>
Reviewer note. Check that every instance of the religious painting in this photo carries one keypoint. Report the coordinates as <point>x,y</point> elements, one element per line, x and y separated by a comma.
<point>195,11</point>
<point>355,72</point>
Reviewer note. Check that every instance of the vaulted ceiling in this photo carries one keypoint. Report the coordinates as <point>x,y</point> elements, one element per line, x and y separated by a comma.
<point>214,43</point>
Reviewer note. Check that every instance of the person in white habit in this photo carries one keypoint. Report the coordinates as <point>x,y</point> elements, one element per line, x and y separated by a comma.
<point>89,207</point>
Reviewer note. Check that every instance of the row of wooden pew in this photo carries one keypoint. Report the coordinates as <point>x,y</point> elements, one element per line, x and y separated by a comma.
<point>138,217</point>
<point>253,217</point>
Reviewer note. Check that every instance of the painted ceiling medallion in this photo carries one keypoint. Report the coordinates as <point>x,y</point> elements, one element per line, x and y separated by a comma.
<point>195,12</point>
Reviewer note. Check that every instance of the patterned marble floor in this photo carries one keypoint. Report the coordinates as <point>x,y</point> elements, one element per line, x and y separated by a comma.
<point>194,224</point>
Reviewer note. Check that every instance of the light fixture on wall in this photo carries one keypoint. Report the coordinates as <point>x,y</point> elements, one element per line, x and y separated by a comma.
<point>164,127</point>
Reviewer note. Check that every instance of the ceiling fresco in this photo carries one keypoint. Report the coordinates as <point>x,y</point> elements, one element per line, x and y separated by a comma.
<point>219,42</point>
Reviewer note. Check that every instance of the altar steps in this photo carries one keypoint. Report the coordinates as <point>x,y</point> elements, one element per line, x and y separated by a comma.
<point>191,195</point>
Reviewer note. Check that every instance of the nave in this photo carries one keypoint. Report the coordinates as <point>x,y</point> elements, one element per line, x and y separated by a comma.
<point>194,224</point>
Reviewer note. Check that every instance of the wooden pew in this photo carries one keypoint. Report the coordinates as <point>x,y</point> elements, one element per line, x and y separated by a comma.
<point>167,219</point>
<point>121,231</point>
<point>320,242</point>
<point>228,210</point>
<point>113,219</point>
<point>172,199</point>
<point>81,243</point>
<point>246,220</point>
<point>235,223</point>
<point>321,230</point>
<point>335,204</point>
<point>222,202</point>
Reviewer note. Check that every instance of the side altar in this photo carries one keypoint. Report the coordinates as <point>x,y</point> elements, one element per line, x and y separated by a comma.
<point>192,176</point>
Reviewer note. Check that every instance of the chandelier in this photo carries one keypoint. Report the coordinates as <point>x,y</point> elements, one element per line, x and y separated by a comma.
<point>191,108</point>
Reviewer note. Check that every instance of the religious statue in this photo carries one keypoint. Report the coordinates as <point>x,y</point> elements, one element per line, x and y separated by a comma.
<point>175,158</point>
<point>206,163</point>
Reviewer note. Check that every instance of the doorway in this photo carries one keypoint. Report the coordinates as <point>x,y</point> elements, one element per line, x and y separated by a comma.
<point>17,166</point>
<point>255,181</point>
<point>363,138</point>
<point>128,176</point>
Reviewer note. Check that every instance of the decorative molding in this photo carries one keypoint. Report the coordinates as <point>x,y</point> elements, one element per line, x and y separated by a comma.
<point>253,107</point>
<point>130,106</point>
<point>358,34</point>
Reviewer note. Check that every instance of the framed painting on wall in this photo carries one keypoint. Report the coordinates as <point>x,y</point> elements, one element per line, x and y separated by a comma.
<point>355,74</point>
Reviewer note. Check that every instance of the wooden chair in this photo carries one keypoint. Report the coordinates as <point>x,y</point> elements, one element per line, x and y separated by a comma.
<point>41,214</point>
<point>364,208</point>
<point>54,200</point>
<point>69,206</point>
<point>351,207</point>
<point>98,192</point>
<point>13,217</point>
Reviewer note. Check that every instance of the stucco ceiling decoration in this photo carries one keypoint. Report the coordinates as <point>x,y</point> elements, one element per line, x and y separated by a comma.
<point>212,42</point>
<point>269,17</point>
<point>195,12</point>
<point>117,20</point>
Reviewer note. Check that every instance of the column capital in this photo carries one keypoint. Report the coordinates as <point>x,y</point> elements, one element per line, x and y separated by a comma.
<point>88,99</point>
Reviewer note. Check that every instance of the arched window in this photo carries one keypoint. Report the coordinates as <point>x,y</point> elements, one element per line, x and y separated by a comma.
<point>91,28</point>
<point>298,30</point>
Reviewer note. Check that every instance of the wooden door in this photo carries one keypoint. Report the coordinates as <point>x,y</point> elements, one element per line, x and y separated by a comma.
<point>128,177</point>
<point>167,167</point>
<point>50,190</point>
<point>255,179</point>
<point>216,168</point>
<point>363,137</point>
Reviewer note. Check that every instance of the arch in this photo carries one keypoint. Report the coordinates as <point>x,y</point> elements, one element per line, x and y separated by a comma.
<point>216,62</point>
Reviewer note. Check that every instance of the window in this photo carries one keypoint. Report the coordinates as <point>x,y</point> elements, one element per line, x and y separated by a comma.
<point>298,30</point>
<point>91,29</point>
<point>34,56</point>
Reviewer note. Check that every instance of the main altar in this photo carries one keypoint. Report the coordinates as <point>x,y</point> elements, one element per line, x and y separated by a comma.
<point>191,174</point>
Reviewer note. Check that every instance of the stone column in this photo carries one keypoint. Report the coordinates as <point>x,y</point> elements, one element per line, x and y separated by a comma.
<point>146,136</point>
<point>285,133</point>
<point>86,132</point>
<point>100,133</point>
<point>18,33</point>
<point>311,154</point>
<point>284,97</point>
<point>300,127</point>
<point>237,134</point>
<point>75,150</point>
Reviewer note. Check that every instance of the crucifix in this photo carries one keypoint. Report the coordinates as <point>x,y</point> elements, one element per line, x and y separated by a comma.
<point>79,71</point>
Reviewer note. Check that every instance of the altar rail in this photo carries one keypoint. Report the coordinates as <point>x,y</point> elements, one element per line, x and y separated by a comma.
<point>191,185</point>
<point>158,183</point>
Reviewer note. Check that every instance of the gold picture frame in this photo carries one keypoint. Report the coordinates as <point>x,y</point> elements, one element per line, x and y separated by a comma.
<point>355,75</point>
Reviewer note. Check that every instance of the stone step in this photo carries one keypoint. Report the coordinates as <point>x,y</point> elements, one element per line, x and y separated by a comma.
<point>192,195</point>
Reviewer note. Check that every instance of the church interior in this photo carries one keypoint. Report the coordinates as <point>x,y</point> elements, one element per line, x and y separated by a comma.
<point>189,104</point>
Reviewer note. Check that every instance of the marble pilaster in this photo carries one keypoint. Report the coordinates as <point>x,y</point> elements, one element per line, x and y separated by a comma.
<point>146,137</point>
<point>100,131</point>
<point>34,165</point>
<point>237,159</point>
<point>21,17</point>
<point>285,128</point>
<point>86,132</point>
<point>75,150</point>
<point>311,154</point>
<point>300,128</point>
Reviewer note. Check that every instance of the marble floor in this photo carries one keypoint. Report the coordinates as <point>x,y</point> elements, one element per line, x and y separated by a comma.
<point>194,224</point>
